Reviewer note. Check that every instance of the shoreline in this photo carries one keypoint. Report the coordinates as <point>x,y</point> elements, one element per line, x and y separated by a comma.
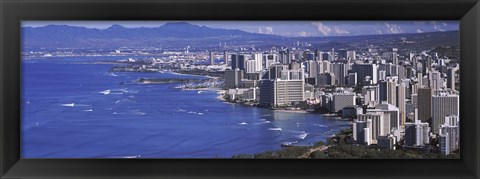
<point>183,74</point>
<point>218,91</point>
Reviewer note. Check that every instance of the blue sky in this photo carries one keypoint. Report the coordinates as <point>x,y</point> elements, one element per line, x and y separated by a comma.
<point>285,28</point>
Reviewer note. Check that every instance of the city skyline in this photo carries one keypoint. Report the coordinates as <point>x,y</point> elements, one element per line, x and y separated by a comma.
<point>283,28</point>
<point>185,90</point>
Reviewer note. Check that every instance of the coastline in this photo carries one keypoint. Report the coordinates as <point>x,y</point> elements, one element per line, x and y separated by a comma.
<point>182,74</point>
<point>291,111</point>
<point>219,92</point>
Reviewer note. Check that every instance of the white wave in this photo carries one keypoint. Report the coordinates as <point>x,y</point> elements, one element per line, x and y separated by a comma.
<point>132,156</point>
<point>302,136</point>
<point>115,113</point>
<point>275,129</point>
<point>68,105</point>
<point>181,110</point>
<point>200,113</point>
<point>88,110</point>
<point>105,92</point>
<point>139,113</point>
<point>242,123</point>
<point>319,125</point>
<point>263,119</point>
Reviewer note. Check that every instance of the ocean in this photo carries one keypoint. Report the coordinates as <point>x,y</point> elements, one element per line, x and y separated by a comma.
<point>74,108</point>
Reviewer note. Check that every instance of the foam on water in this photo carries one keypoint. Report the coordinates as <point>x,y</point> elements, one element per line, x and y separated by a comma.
<point>319,125</point>
<point>68,105</point>
<point>275,129</point>
<point>302,136</point>
<point>105,92</point>
<point>242,123</point>
<point>181,110</point>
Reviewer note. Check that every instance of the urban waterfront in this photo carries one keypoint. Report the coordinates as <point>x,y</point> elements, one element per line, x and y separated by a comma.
<point>75,108</point>
<point>207,89</point>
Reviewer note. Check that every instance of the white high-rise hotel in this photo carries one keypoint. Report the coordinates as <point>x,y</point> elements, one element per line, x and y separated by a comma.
<point>443,104</point>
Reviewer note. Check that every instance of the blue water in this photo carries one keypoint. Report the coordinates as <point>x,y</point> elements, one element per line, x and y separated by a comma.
<point>144,120</point>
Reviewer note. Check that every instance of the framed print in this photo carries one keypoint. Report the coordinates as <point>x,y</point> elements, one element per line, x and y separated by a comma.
<point>218,88</point>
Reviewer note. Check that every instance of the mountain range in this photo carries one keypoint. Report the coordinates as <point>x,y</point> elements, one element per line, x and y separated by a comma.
<point>181,34</point>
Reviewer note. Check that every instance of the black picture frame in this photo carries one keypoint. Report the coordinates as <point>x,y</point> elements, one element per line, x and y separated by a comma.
<point>12,12</point>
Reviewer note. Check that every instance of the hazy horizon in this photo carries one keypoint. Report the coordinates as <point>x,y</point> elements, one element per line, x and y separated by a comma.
<point>283,28</point>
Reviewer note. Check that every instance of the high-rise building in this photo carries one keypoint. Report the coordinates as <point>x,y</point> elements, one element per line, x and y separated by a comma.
<point>419,80</point>
<point>312,68</point>
<point>416,133</point>
<point>308,56</point>
<point>394,56</point>
<point>435,80</point>
<point>212,58</point>
<point>280,92</point>
<point>443,104</point>
<point>258,58</point>
<point>341,100</point>
<point>339,70</point>
<point>284,57</point>
<point>427,65</point>
<point>391,110</point>
<point>365,69</point>
<point>267,92</point>
<point>342,54</point>
<point>371,96</point>
<point>388,90</point>
<point>250,66</point>
<point>451,78</point>
<point>324,67</point>
<point>225,57</point>
<point>444,143</point>
<point>325,79</point>
<point>453,136</point>
<point>386,142</point>
<point>358,131</point>
<point>451,120</point>
<point>380,124</point>
<point>351,55</point>
<point>269,59</point>
<point>292,75</point>
<point>401,102</point>
<point>325,56</point>
<point>424,104</point>
<point>238,61</point>
<point>352,79</point>
<point>275,71</point>
<point>233,78</point>
<point>382,75</point>
<point>401,73</point>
